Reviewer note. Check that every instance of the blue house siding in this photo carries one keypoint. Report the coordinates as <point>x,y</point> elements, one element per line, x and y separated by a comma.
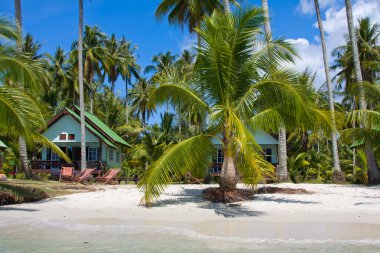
<point>265,140</point>
<point>67,125</point>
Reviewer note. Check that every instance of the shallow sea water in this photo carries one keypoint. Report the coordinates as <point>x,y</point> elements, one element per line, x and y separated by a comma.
<point>47,236</point>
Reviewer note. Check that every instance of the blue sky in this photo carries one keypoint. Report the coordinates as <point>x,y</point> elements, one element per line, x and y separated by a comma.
<point>54,23</point>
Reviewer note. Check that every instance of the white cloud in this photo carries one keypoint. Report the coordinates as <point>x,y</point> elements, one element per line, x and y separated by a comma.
<point>335,26</point>
<point>188,42</point>
<point>307,6</point>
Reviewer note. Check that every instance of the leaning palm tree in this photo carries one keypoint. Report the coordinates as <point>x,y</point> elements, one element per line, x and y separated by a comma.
<point>237,98</point>
<point>373,170</point>
<point>21,116</point>
<point>334,140</point>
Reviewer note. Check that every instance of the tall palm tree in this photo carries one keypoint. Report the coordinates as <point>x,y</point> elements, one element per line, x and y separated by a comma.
<point>187,12</point>
<point>22,143</point>
<point>373,170</point>
<point>81,92</point>
<point>334,140</point>
<point>237,98</point>
<point>282,173</point>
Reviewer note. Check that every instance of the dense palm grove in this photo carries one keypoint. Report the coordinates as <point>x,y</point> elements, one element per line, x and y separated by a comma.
<point>234,81</point>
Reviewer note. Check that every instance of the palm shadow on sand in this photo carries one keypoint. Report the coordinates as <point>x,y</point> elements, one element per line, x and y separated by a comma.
<point>196,196</point>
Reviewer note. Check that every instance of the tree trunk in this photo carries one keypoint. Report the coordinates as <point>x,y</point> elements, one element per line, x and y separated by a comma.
<point>81,93</point>
<point>18,16</point>
<point>282,173</point>
<point>267,28</point>
<point>226,4</point>
<point>91,96</point>
<point>329,87</point>
<point>25,166</point>
<point>373,171</point>
<point>126,102</point>
<point>228,175</point>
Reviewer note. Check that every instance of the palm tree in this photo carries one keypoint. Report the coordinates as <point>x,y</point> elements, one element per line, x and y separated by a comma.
<point>141,103</point>
<point>121,61</point>
<point>237,99</point>
<point>373,171</point>
<point>187,12</point>
<point>334,141</point>
<point>81,93</point>
<point>282,173</point>
<point>23,148</point>
<point>94,56</point>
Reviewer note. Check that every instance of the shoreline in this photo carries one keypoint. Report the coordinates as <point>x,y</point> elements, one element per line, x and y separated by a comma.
<point>333,212</point>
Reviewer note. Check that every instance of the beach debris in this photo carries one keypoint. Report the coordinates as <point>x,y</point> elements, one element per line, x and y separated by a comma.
<point>217,195</point>
<point>280,190</point>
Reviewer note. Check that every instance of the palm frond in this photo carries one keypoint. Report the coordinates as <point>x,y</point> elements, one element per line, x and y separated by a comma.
<point>183,157</point>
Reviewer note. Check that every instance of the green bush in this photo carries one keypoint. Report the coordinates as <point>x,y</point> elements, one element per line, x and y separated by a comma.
<point>2,172</point>
<point>20,176</point>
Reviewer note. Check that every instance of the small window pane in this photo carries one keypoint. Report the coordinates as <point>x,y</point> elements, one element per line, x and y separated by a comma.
<point>92,154</point>
<point>62,137</point>
<point>71,137</point>
<point>110,155</point>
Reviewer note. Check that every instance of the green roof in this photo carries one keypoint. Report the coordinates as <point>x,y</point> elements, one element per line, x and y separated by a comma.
<point>103,127</point>
<point>2,145</point>
<point>106,129</point>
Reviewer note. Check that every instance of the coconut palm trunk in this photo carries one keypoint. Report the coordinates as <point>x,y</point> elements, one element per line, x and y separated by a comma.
<point>25,166</point>
<point>126,102</point>
<point>226,4</point>
<point>228,175</point>
<point>81,93</point>
<point>373,170</point>
<point>329,87</point>
<point>282,172</point>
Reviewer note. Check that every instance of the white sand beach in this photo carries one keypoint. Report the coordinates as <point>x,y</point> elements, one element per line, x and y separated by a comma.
<point>332,212</point>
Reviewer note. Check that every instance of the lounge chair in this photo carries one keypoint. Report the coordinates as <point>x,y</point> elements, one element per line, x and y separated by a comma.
<point>84,176</point>
<point>109,177</point>
<point>67,173</point>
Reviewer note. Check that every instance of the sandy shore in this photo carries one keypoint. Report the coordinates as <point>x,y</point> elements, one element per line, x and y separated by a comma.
<point>335,212</point>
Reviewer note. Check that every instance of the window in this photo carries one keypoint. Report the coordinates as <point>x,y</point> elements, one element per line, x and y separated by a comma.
<point>268,154</point>
<point>110,154</point>
<point>54,156</point>
<point>92,154</point>
<point>71,137</point>
<point>220,156</point>
<point>117,156</point>
<point>62,137</point>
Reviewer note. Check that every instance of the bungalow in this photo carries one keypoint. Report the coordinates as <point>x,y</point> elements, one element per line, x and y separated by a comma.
<point>267,142</point>
<point>103,146</point>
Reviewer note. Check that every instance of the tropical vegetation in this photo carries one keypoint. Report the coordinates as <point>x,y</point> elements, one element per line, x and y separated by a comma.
<point>237,79</point>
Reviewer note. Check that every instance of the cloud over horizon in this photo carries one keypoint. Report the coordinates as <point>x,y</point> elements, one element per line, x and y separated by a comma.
<point>335,28</point>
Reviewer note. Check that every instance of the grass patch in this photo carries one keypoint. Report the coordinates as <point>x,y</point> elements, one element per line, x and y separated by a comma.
<point>23,191</point>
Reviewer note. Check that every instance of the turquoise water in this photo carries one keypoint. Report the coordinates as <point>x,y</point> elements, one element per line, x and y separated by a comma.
<point>46,236</point>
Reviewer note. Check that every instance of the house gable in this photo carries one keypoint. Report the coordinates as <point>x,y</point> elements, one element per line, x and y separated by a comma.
<point>67,125</point>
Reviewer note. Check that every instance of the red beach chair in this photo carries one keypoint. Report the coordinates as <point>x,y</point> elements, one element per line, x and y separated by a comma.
<point>67,173</point>
<point>109,177</point>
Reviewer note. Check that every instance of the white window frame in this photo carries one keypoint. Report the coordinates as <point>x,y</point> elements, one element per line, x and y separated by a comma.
<point>110,154</point>
<point>92,153</point>
<point>219,156</point>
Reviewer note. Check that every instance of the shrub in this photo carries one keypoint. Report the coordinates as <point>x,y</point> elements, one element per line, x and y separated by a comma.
<point>20,176</point>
